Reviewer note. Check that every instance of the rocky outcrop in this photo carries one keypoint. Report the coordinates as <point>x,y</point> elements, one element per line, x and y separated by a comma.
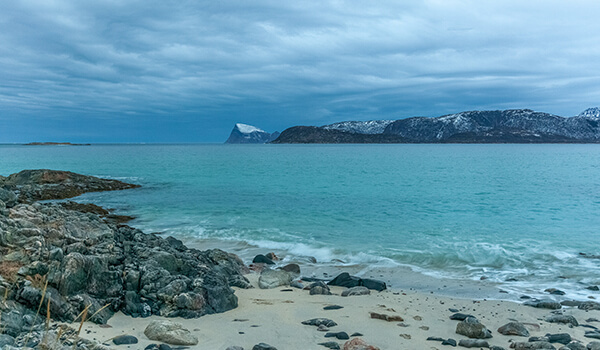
<point>89,259</point>
<point>34,185</point>
<point>243,133</point>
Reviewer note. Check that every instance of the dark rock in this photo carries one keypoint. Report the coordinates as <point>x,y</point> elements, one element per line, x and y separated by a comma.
<point>574,303</point>
<point>356,334</point>
<point>449,341</point>
<point>332,307</point>
<point>234,348</point>
<point>543,304</point>
<point>435,339</point>
<point>338,335</point>
<point>453,310</point>
<point>374,284</point>
<point>536,345</point>
<point>317,288</point>
<point>594,288</point>
<point>125,339</point>
<point>562,338</point>
<point>554,291</point>
<point>566,319</point>
<point>592,334</point>
<point>472,328</point>
<point>262,260</point>
<point>320,321</point>
<point>460,316</point>
<point>514,328</point>
<point>355,291</point>
<point>589,305</point>
<point>494,347</point>
<point>345,280</point>
<point>331,345</point>
<point>165,347</point>
<point>473,343</point>
<point>263,346</point>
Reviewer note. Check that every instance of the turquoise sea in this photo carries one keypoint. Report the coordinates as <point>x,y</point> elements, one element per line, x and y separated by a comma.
<point>518,215</point>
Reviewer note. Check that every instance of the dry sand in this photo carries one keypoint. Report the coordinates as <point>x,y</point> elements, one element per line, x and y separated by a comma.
<point>274,317</point>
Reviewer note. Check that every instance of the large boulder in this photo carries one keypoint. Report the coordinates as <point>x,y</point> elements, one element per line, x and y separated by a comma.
<point>472,328</point>
<point>274,278</point>
<point>170,332</point>
<point>514,328</point>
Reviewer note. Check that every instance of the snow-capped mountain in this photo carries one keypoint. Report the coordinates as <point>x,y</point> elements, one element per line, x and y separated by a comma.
<point>368,127</point>
<point>513,123</point>
<point>590,113</point>
<point>244,133</point>
<point>508,126</point>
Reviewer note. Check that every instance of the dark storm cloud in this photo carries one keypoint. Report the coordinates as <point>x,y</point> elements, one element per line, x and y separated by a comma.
<point>187,70</point>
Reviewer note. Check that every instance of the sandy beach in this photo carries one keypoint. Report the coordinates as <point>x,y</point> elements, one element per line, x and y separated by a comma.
<point>274,316</point>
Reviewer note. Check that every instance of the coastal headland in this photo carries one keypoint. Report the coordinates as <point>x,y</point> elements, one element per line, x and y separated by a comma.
<point>62,261</point>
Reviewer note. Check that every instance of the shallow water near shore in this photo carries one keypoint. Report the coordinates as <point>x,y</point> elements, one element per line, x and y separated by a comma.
<point>516,215</point>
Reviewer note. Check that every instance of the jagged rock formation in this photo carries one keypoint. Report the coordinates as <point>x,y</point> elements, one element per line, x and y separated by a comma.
<point>509,126</point>
<point>243,133</point>
<point>91,259</point>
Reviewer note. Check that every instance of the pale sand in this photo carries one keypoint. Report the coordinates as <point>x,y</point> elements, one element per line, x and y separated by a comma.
<point>274,317</point>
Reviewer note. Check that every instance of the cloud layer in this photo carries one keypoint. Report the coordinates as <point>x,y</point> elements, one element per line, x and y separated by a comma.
<point>186,71</point>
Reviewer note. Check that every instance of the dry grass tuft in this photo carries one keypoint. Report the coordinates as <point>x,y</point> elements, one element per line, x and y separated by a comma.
<point>38,281</point>
<point>9,269</point>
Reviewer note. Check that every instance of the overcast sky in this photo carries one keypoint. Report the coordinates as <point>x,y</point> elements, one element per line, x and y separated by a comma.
<point>186,71</point>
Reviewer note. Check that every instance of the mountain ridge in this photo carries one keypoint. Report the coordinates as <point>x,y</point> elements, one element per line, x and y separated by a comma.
<point>497,126</point>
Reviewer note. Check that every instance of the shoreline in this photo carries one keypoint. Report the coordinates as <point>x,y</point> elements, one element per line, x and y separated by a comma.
<point>274,316</point>
<point>403,276</point>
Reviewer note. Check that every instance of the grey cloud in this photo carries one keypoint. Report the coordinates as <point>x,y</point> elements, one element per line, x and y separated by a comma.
<point>276,64</point>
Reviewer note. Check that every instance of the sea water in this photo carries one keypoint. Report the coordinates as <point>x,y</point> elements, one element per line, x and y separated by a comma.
<point>517,215</point>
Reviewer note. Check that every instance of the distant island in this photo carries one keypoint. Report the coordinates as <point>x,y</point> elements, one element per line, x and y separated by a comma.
<point>501,126</point>
<point>244,133</point>
<point>56,144</point>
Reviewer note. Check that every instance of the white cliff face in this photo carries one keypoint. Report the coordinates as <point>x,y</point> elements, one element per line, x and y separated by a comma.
<point>358,127</point>
<point>244,133</point>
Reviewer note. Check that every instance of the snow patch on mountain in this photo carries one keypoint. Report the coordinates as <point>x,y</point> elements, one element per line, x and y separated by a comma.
<point>247,129</point>
<point>590,113</point>
<point>360,127</point>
